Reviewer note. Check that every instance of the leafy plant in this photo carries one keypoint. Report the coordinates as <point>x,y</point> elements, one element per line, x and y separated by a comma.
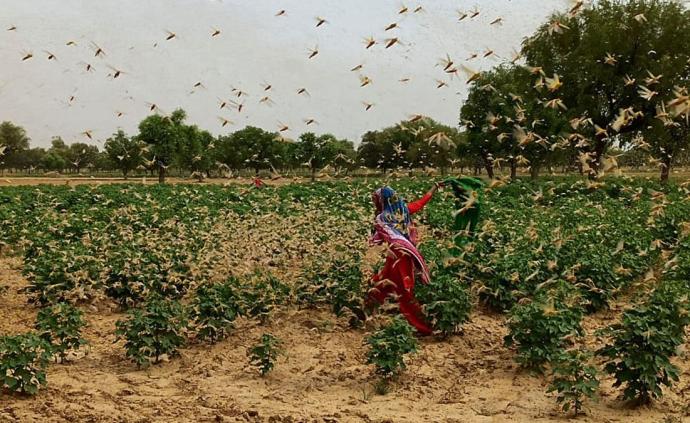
<point>153,330</point>
<point>265,354</point>
<point>60,272</point>
<point>23,361</point>
<point>642,344</point>
<point>388,347</point>
<point>214,309</point>
<point>573,379</point>
<point>139,270</point>
<point>382,387</point>
<point>261,294</point>
<point>340,285</point>
<point>447,303</point>
<point>539,328</point>
<point>61,325</point>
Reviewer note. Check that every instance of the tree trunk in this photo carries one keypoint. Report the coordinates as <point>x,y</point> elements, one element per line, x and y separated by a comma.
<point>124,172</point>
<point>513,170</point>
<point>665,169</point>
<point>313,174</point>
<point>161,175</point>
<point>534,172</point>
<point>489,169</point>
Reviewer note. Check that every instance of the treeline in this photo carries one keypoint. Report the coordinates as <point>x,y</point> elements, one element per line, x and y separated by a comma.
<point>165,142</point>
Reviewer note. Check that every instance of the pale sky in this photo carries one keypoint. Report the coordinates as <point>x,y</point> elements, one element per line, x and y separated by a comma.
<point>255,47</point>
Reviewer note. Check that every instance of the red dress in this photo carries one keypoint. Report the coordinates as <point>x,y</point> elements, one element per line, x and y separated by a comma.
<point>397,278</point>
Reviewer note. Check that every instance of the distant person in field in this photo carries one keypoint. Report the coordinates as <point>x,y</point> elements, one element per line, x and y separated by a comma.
<point>258,183</point>
<point>393,226</point>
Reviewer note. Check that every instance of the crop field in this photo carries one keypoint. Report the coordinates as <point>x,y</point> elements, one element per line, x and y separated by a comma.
<point>224,303</point>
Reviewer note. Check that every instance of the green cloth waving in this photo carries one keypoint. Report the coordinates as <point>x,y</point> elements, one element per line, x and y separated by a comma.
<point>469,192</point>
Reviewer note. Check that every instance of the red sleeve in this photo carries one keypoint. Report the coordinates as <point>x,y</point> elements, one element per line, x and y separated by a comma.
<point>418,205</point>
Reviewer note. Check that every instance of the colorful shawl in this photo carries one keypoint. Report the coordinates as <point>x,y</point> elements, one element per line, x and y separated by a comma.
<point>394,226</point>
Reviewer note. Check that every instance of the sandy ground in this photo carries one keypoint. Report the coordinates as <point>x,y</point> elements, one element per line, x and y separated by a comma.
<point>466,378</point>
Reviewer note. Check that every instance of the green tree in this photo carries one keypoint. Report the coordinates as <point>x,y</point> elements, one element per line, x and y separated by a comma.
<point>345,155</point>
<point>53,161</point>
<point>432,144</point>
<point>375,152</point>
<point>124,152</point>
<point>507,120</point>
<point>196,151</point>
<point>668,138</point>
<point>162,135</point>
<point>58,146</point>
<point>227,153</point>
<point>618,61</point>
<point>13,144</point>
<point>56,158</point>
<point>31,159</point>
<point>258,149</point>
<point>480,142</point>
<point>417,142</point>
<point>82,155</point>
<point>315,151</point>
<point>103,162</point>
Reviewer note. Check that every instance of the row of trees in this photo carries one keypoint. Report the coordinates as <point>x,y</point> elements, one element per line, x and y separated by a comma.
<point>167,141</point>
<point>614,75</point>
<point>163,142</point>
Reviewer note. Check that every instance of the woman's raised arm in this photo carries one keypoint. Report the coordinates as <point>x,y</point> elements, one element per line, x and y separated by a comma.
<point>418,205</point>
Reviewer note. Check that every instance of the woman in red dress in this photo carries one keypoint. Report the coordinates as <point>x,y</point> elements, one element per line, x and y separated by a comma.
<point>394,227</point>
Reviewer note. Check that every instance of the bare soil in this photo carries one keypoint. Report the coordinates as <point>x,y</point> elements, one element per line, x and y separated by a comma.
<point>678,175</point>
<point>470,377</point>
<point>68,180</point>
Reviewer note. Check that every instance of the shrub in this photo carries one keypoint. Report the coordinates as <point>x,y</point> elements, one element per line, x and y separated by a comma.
<point>574,380</point>
<point>135,272</point>
<point>388,347</point>
<point>539,329</point>
<point>65,272</point>
<point>339,285</point>
<point>153,330</point>
<point>214,309</point>
<point>642,344</point>
<point>265,354</point>
<point>23,360</point>
<point>261,294</point>
<point>61,325</point>
<point>346,291</point>
<point>446,302</point>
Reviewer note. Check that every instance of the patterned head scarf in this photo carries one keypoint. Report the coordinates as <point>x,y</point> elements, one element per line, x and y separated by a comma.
<point>393,210</point>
